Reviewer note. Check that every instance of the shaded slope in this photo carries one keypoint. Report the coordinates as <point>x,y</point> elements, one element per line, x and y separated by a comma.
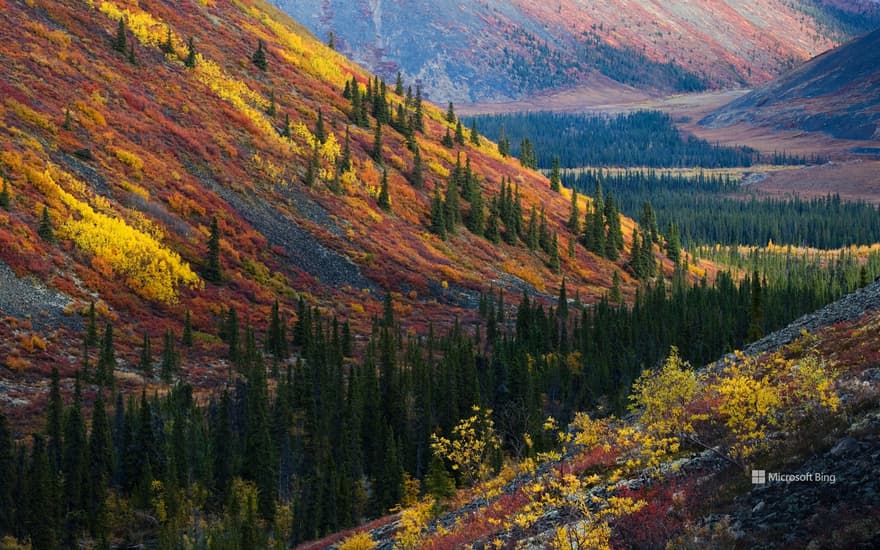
<point>837,93</point>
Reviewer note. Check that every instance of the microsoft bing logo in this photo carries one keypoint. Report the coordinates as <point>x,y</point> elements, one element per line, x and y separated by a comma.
<point>759,477</point>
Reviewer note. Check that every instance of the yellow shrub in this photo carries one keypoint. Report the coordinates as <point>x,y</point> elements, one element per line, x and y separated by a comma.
<point>128,158</point>
<point>360,541</point>
<point>30,116</point>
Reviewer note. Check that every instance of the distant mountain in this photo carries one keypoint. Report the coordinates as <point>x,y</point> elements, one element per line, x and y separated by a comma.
<point>498,50</point>
<point>837,93</point>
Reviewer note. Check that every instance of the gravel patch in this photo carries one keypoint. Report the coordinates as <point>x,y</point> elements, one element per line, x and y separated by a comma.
<point>28,298</point>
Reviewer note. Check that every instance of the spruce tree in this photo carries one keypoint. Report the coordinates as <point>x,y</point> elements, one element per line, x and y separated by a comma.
<point>553,261</point>
<point>45,230</point>
<point>313,167</point>
<point>384,199</point>
<point>532,232</point>
<point>320,131</point>
<point>574,217</point>
<point>475,135</point>
<point>170,357</point>
<point>7,477</point>
<point>452,210</point>
<point>673,244</point>
<point>616,295</point>
<point>259,57</point>
<point>4,196</point>
<point>100,467</point>
<point>398,85</point>
<point>503,143</point>
<point>331,40</point>
<point>555,175</point>
<point>477,216</point>
<point>167,47</point>
<point>418,116</point>
<point>376,152</point>
<point>119,43</point>
<point>73,467</point>
<point>146,359</point>
<point>54,421</point>
<point>450,114</point>
<point>418,177</point>
<point>40,517</point>
<point>91,337</point>
<point>756,311</point>
<point>345,159</point>
<point>107,359</point>
<point>459,133</point>
<point>272,109</point>
<point>447,140</point>
<point>493,231</point>
<point>213,271</point>
<point>285,129</point>
<point>131,55</point>
<point>438,221</point>
<point>190,60</point>
<point>187,337</point>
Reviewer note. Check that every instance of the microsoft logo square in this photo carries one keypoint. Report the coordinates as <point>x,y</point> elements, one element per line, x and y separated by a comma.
<point>759,477</point>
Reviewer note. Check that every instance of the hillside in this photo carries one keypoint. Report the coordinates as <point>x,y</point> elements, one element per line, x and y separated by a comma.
<point>834,93</point>
<point>498,51</point>
<point>133,159</point>
<point>771,447</point>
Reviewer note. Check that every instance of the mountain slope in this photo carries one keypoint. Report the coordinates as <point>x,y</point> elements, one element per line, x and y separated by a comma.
<point>485,51</point>
<point>132,160</point>
<point>835,93</point>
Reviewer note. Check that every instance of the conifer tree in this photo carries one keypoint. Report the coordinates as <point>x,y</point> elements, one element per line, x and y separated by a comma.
<point>673,244</point>
<point>320,131</point>
<point>146,359</point>
<point>167,47</point>
<point>574,217</point>
<point>418,116</point>
<point>384,199</point>
<point>418,177</point>
<point>756,311</point>
<point>475,135</point>
<point>477,216</point>
<point>190,60</point>
<point>259,57</point>
<point>40,517</point>
<point>635,257</point>
<point>438,221</point>
<point>100,467</point>
<point>170,357</point>
<point>398,85</point>
<point>91,337</point>
<point>452,210</point>
<point>4,196</point>
<point>493,231</point>
<point>54,421</point>
<point>260,465</point>
<point>376,153</point>
<point>346,91</point>
<point>553,261</point>
<point>187,337</point>
<point>331,40</point>
<point>120,43</point>
<point>532,232</point>
<point>312,167</point>
<point>616,296</point>
<point>447,140</point>
<point>7,477</point>
<point>459,133</point>
<point>130,56</point>
<point>345,159</point>
<point>45,230</point>
<point>107,359</point>
<point>571,248</point>
<point>231,335</point>
<point>450,114</point>
<point>285,129</point>
<point>555,175</point>
<point>544,232</point>
<point>213,271</point>
<point>73,467</point>
<point>615,233</point>
<point>503,144</point>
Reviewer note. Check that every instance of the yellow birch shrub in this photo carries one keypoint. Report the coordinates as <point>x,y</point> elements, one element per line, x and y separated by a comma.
<point>472,447</point>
